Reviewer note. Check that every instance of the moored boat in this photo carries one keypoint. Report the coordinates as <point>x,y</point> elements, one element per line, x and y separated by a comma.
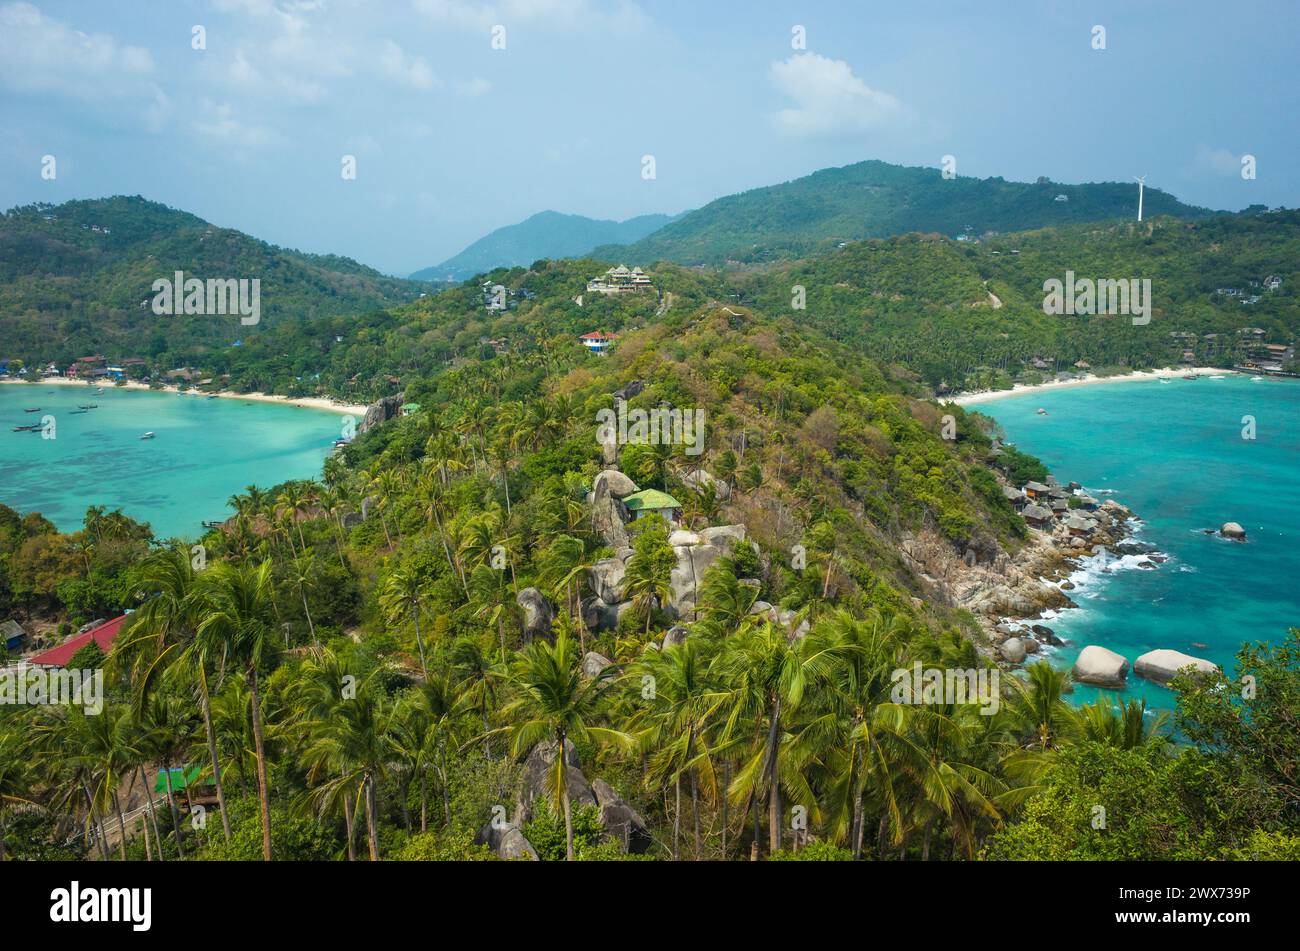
<point>148,435</point>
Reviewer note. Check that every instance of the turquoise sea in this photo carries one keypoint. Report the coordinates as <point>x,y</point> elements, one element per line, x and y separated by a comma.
<point>1174,453</point>
<point>205,451</point>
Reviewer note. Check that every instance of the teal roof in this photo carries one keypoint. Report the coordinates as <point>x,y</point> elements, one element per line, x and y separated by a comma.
<point>650,499</point>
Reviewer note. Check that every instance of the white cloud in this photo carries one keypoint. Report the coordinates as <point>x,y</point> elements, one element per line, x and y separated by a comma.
<point>477,86</point>
<point>220,121</point>
<point>405,69</point>
<point>563,15</point>
<point>1216,161</point>
<point>43,56</point>
<point>829,99</point>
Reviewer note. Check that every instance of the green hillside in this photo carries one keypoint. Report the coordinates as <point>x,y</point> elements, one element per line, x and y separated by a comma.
<point>73,278</point>
<point>875,199</point>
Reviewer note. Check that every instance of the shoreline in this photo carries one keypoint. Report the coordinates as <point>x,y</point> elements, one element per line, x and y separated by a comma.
<point>1023,389</point>
<point>303,402</point>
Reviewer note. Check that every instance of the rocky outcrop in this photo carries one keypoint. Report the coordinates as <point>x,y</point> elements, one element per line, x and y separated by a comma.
<point>622,823</point>
<point>682,537</point>
<point>614,482</point>
<point>1100,667</point>
<point>506,841</point>
<point>687,575</point>
<point>1164,665</point>
<point>381,412</point>
<point>723,536</point>
<point>1233,531</point>
<point>635,388</point>
<point>674,635</point>
<point>698,479</point>
<point>538,613</point>
<point>606,579</point>
<point>599,615</point>
<point>536,781</point>
<point>1012,650</point>
<point>608,516</point>
<point>593,664</point>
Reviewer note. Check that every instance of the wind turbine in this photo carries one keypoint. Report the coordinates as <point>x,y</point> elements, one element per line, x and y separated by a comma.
<point>1142,181</point>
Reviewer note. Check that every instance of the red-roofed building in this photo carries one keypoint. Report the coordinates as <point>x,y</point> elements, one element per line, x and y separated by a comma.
<point>104,635</point>
<point>597,341</point>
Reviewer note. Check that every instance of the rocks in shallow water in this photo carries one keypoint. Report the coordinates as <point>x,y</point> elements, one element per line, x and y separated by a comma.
<point>1012,650</point>
<point>1163,665</point>
<point>1233,531</point>
<point>1030,645</point>
<point>1100,667</point>
<point>538,613</point>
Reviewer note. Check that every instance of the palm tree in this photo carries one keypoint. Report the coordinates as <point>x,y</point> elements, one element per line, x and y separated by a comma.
<point>671,721</point>
<point>867,652</point>
<point>237,627</point>
<point>648,580</point>
<point>765,675</point>
<point>352,745</point>
<point>1039,704</point>
<point>302,569</point>
<point>163,633</point>
<point>555,703</point>
<point>15,777</point>
<point>402,595</point>
<point>476,674</point>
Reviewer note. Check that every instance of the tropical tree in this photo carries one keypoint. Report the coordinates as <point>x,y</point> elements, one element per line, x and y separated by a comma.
<point>554,703</point>
<point>237,627</point>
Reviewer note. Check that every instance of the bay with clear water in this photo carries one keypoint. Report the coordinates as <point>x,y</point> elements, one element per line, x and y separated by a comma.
<point>1175,454</point>
<point>204,451</point>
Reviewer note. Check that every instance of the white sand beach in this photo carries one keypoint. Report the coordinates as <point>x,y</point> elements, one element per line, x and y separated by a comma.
<point>987,396</point>
<point>307,402</point>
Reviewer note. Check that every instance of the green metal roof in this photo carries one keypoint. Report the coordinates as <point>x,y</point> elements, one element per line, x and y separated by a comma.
<point>650,499</point>
<point>180,778</point>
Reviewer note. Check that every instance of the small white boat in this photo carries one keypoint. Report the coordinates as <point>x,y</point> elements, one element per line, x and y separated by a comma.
<point>148,435</point>
<point>1041,411</point>
<point>1256,379</point>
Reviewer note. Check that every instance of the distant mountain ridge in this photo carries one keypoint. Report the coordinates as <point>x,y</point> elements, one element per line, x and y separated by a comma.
<point>547,234</point>
<point>875,199</point>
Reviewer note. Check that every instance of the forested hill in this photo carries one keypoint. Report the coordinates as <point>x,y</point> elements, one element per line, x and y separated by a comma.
<point>876,199</point>
<point>73,278</point>
<point>971,314</point>
<point>547,234</point>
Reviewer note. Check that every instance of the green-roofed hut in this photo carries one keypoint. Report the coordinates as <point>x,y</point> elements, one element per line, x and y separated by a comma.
<point>182,777</point>
<point>410,409</point>
<point>647,501</point>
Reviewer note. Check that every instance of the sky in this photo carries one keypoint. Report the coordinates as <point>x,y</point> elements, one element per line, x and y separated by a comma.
<point>462,116</point>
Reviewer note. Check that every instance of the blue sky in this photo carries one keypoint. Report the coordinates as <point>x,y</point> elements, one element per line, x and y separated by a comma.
<point>453,138</point>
